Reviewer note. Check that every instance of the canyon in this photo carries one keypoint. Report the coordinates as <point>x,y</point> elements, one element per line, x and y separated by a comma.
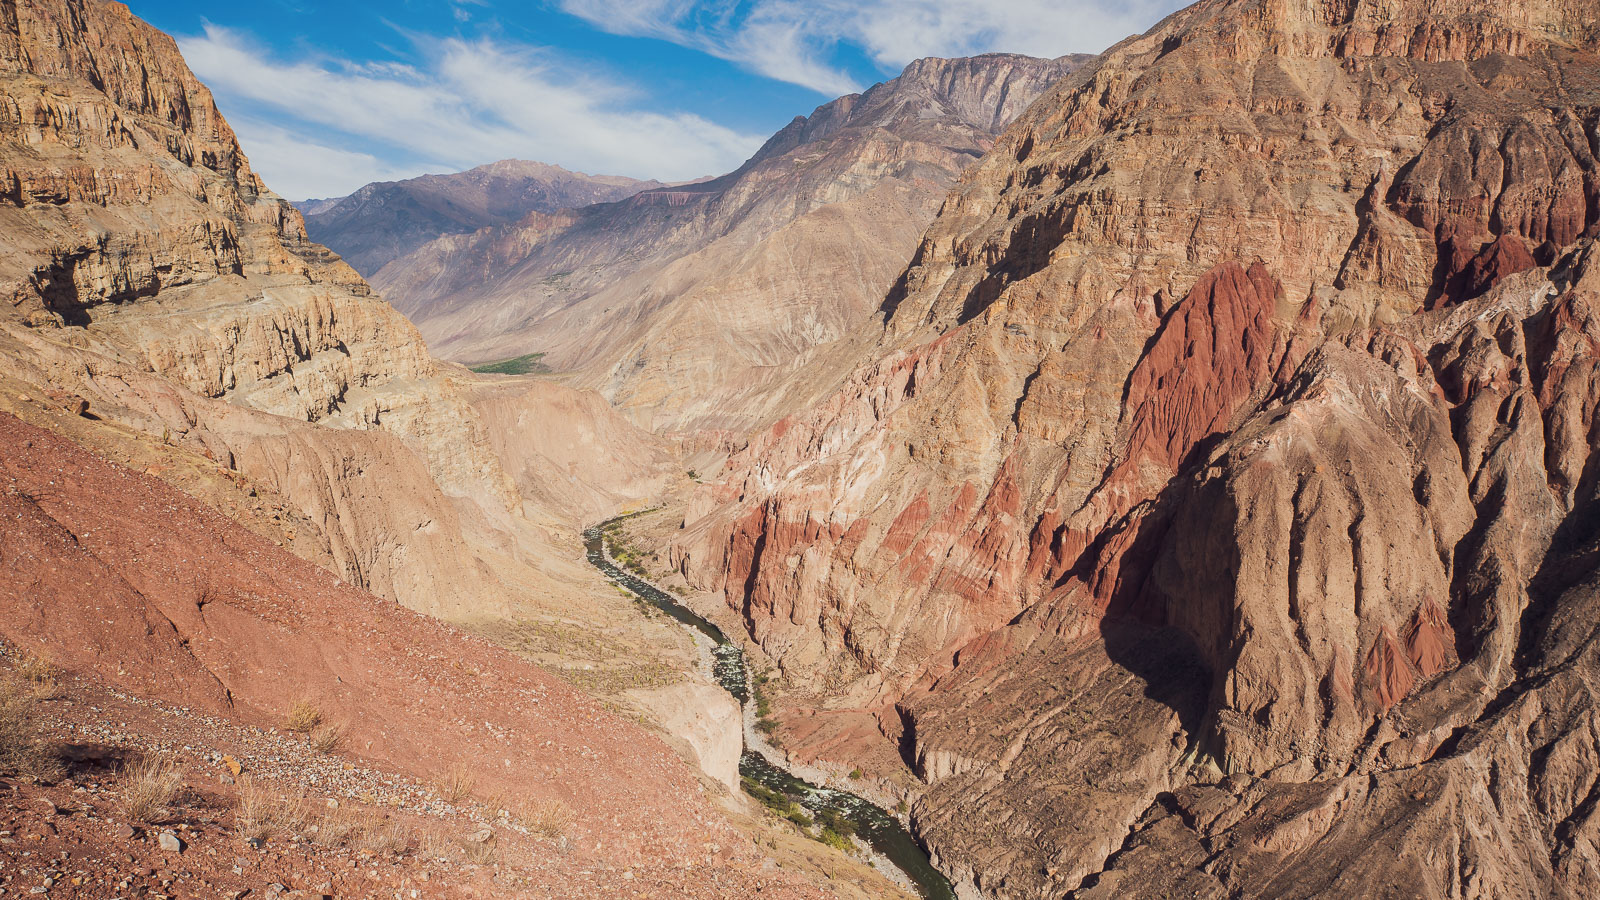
<point>1212,507</point>
<point>1174,472</point>
<point>237,486</point>
<point>708,308</point>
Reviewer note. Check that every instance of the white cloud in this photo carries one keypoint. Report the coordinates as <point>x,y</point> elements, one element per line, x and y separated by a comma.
<point>792,39</point>
<point>300,169</point>
<point>468,103</point>
<point>769,38</point>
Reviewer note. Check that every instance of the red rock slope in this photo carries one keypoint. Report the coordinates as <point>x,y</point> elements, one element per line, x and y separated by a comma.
<point>121,578</point>
<point>1222,469</point>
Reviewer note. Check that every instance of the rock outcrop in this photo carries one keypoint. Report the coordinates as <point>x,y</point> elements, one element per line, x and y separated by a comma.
<point>1209,507</point>
<point>150,274</point>
<point>384,221</point>
<point>718,305</point>
<point>162,303</point>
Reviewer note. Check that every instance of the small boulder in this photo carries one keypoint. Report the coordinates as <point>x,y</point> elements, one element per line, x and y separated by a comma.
<point>170,842</point>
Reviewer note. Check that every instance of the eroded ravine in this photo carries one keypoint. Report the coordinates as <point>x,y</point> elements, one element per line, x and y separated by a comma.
<point>882,831</point>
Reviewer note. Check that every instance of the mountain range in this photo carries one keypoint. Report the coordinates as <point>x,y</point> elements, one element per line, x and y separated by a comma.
<point>387,220</point>
<point>710,306</point>
<point>1173,472</point>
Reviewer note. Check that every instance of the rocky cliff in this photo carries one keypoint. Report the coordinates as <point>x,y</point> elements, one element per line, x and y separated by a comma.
<point>1213,507</point>
<point>714,305</point>
<point>151,277</point>
<point>168,333</point>
<point>384,221</point>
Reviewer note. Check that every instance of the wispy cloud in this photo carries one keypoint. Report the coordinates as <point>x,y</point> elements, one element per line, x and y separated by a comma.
<point>336,124</point>
<point>793,40</point>
<point>302,169</point>
<point>769,38</point>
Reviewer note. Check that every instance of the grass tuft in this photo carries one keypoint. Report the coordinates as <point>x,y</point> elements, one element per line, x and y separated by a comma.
<point>23,750</point>
<point>149,788</point>
<point>303,716</point>
<point>547,819</point>
<point>457,785</point>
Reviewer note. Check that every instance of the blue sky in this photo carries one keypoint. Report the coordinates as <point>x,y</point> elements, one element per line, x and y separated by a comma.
<point>329,96</point>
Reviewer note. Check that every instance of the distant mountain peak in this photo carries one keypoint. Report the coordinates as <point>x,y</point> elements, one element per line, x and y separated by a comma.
<point>385,220</point>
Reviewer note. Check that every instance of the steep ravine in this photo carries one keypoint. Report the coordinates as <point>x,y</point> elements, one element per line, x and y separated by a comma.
<point>880,830</point>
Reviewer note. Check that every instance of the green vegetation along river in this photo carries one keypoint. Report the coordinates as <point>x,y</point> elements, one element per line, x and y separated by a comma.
<point>882,831</point>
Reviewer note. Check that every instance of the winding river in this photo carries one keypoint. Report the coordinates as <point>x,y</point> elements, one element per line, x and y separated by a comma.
<point>878,828</point>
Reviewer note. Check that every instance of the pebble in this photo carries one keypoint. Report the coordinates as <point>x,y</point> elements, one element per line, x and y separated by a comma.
<point>170,842</point>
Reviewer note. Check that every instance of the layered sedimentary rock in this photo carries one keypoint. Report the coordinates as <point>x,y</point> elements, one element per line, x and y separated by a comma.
<point>387,220</point>
<point>1211,508</point>
<point>715,305</point>
<point>150,275</point>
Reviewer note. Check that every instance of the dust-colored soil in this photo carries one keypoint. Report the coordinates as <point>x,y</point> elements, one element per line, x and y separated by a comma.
<point>132,585</point>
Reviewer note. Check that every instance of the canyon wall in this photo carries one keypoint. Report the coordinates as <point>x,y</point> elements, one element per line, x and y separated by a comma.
<point>1219,481</point>
<point>717,305</point>
<point>152,278</point>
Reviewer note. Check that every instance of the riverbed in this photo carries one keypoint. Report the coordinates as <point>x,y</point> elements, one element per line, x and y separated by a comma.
<point>880,830</point>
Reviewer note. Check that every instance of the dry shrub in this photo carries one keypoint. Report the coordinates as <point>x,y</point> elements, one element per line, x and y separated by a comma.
<point>548,818</point>
<point>326,738</point>
<point>41,674</point>
<point>495,803</point>
<point>337,828</point>
<point>149,787</point>
<point>457,785</point>
<point>261,813</point>
<point>385,838</point>
<point>303,717</point>
<point>23,751</point>
<point>432,844</point>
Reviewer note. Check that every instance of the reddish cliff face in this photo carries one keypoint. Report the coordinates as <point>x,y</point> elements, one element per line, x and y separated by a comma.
<point>1228,450</point>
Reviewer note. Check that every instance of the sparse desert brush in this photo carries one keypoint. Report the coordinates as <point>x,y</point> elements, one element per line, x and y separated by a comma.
<point>303,716</point>
<point>432,844</point>
<point>496,804</point>
<point>41,674</point>
<point>149,787</point>
<point>23,751</point>
<point>337,828</point>
<point>261,814</point>
<point>548,818</point>
<point>326,738</point>
<point>384,838</point>
<point>457,784</point>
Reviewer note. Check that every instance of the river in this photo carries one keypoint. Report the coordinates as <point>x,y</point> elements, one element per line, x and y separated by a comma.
<point>882,831</point>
